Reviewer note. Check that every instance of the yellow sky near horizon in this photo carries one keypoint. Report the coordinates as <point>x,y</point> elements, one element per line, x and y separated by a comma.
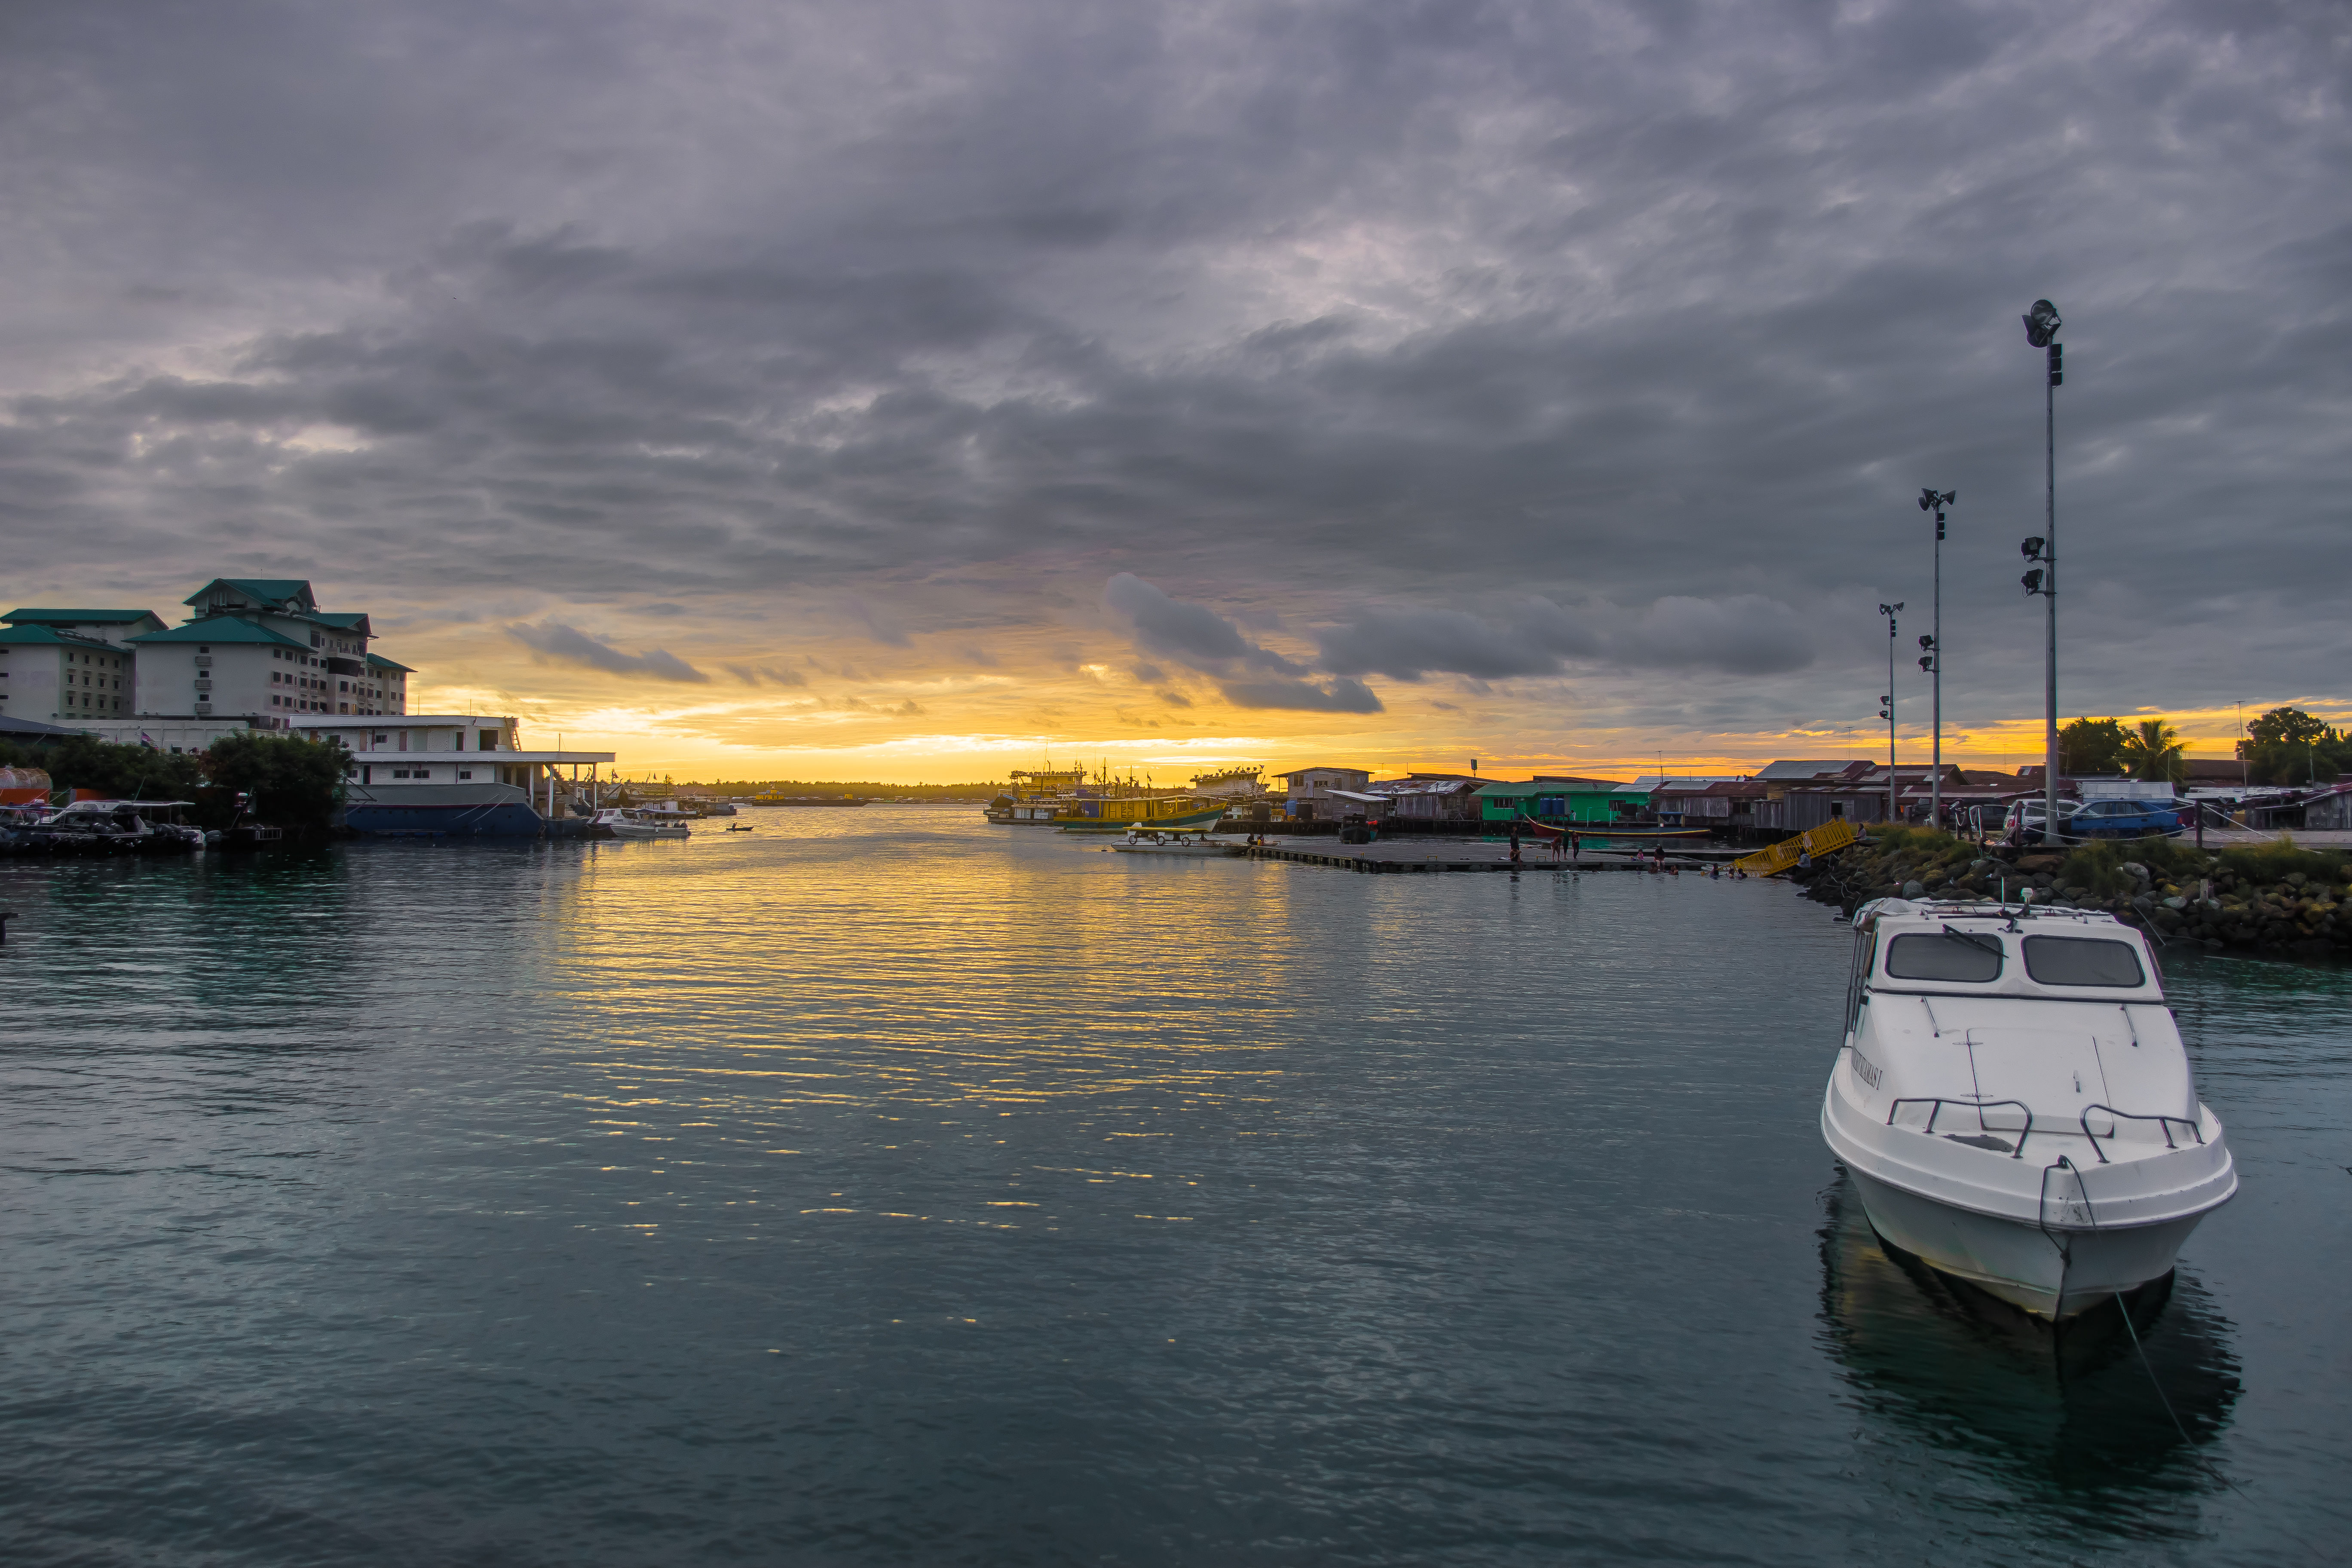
<point>957,731</point>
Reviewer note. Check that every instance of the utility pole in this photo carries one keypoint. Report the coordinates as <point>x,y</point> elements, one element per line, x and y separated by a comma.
<point>1887,712</point>
<point>1931,651</point>
<point>2042,325</point>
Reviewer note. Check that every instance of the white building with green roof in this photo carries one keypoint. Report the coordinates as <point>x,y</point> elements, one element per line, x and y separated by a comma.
<point>256,653</point>
<point>70,666</point>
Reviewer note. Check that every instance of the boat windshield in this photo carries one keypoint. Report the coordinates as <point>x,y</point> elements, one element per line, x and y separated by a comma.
<point>1944,955</point>
<point>2081,961</point>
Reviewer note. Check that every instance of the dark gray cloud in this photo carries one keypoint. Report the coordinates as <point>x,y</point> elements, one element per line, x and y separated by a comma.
<point>901,315</point>
<point>554,640</point>
<point>1188,633</point>
<point>1337,695</point>
<point>1405,644</point>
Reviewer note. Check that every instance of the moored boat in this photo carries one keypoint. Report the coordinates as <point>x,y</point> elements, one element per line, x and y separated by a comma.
<point>645,822</point>
<point>2013,1102</point>
<point>1140,840</point>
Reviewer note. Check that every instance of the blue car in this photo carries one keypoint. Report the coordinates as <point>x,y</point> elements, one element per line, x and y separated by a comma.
<point>2123,819</point>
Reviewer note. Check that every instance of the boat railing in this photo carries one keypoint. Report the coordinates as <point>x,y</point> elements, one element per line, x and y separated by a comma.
<point>1935,1103</point>
<point>2164,1124</point>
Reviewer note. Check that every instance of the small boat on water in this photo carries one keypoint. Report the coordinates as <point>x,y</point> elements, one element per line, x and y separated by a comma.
<point>1154,840</point>
<point>2013,1103</point>
<point>645,822</point>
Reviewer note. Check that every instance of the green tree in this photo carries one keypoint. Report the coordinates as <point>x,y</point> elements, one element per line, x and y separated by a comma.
<point>292,783</point>
<point>2153,751</point>
<point>2090,747</point>
<point>129,772</point>
<point>2292,726</point>
<point>2288,746</point>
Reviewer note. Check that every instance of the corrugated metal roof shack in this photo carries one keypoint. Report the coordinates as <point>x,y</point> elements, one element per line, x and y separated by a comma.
<point>1558,798</point>
<point>1720,802</point>
<point>1798,809</point>
<point>1430,797</point>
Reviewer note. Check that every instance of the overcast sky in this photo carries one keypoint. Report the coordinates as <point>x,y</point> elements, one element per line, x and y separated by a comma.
<point>888,389</point>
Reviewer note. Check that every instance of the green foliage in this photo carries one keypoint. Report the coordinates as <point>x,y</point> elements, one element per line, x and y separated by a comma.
<point>2090,747</point>
<point>2288,746</point>
<point>2152,750</point>
<point>2292,725</point>
<point>2268,863</point>
<point>294,784</point>
<point>133,773</point>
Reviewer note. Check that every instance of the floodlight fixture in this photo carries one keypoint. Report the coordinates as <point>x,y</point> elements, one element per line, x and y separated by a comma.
<point>2042,323</point>
<point>2030,549</point>
<point>2032,581</point>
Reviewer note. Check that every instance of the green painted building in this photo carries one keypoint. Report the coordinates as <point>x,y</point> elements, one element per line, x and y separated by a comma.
<point>1560,800</point>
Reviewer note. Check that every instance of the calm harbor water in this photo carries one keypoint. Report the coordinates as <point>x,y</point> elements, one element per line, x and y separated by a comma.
<point>880,1187</point>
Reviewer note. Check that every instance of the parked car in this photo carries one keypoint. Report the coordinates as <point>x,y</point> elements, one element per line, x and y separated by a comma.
<point>2123,819</point>
<point>2023,823</point>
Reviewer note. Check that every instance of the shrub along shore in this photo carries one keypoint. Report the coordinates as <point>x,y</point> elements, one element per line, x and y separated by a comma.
<point>2274,899</point>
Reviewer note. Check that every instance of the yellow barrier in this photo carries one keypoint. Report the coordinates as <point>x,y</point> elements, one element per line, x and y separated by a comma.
<point>1829,837</point>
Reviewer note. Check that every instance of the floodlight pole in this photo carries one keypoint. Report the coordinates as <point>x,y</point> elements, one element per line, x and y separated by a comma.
<point>2042,327</point>
<point>1930,499</point>
<point>2050,603</point>
<point>1888,611</point>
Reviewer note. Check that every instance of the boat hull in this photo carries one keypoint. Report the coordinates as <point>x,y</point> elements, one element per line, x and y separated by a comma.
<point>2019,1263</point>
<point>443,811</point>
<point>2031,1234</point>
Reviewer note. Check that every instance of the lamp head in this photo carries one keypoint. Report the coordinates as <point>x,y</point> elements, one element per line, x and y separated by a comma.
<point>2042,323</point>
<point>2030,549</point>
<point>2032,581</point>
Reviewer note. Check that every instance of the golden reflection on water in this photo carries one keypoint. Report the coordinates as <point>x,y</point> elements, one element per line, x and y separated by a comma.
<point>923,970</point>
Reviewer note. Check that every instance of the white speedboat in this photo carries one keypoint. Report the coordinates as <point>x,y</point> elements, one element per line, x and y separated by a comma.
<point>1142,840</point>
<point>645,822</point>
<point>2013,1103</point>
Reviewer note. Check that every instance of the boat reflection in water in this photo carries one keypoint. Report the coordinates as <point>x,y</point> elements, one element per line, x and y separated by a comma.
<point>2068,1410</point>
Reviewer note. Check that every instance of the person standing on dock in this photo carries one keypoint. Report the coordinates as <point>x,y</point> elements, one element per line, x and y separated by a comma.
<point>1515,845</point>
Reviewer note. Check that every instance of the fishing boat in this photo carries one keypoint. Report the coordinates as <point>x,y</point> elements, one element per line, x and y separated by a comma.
<point>2013,1103</point>
<point>1036,797</point>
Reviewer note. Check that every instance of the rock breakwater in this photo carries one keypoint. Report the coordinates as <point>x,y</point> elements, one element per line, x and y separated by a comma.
<point>2274,897</point>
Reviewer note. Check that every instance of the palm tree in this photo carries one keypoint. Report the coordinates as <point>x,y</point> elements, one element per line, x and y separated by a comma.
<point>2152,750</point>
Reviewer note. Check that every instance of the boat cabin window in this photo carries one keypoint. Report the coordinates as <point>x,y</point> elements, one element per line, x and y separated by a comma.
<point>2081,961</point>
<point>1944,955</point>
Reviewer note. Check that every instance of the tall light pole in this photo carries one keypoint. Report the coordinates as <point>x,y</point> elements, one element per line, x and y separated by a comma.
<point>1931,651</point>
<point>1887,712</point>
<point>2042,324</point>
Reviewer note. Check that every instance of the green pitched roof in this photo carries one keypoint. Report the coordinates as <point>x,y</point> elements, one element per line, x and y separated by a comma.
<point>221,629</point>
<point>82,617</point>
<point>50,636</point>
<point>270,590</point>
<point>341,618</point>
<point>377,661</point>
